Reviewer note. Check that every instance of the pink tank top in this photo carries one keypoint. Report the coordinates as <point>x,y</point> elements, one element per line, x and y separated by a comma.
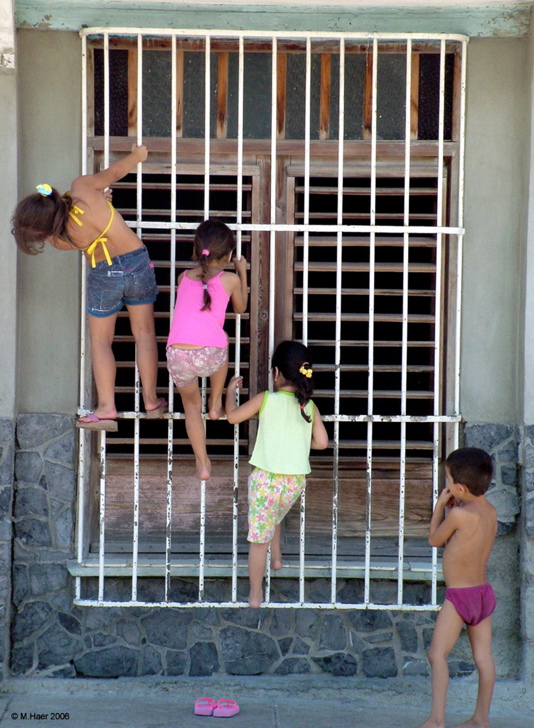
<point>192,326</point>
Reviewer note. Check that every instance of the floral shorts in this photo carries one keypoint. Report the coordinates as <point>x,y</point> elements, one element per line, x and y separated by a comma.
<point>270,498</point>
<point>186,365</point>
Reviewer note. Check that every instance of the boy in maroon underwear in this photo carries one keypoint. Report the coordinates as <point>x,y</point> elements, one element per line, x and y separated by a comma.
<point>468,530</point>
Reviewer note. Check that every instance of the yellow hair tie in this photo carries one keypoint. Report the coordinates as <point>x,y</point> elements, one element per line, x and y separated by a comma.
<point>306,372</point>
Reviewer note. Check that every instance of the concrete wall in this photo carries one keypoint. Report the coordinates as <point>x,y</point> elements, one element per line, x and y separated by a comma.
<point>49,68</point>
<point>496,174</point>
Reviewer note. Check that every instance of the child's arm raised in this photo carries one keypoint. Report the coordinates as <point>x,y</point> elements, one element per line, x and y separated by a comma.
<point>235,414</point>
<point>441,528</point>
<point>239,294</point>
<point>115,171</point>
<point>319,434</point>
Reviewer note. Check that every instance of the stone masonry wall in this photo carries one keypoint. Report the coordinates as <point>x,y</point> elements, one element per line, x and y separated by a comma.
<point>50,636</point>
<point>7,447</point>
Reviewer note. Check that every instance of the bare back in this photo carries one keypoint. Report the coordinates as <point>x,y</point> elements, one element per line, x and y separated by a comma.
<point>468,549</point>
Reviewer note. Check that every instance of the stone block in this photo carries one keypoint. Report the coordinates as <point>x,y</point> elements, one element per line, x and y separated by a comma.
<point>333,633</point>
<point>300,647</point>
<point>529,517</point>
<point>203,659</point>
<point>209,616</point>
<point>369,620</point>
<point>307,623</point>
<point>7,430</point>
<point>168,628</point>
<point>408,636</point>
<point>33,430</point>
<point>352,592</point>
<point>6,494</point>
<point>62,450</point>
<point>21,584</point>
<point>506,503</point>
<point>489,436</point>
<point>64,529</point>
<point>30,501</point>
<point>116,661</point>
<point>176,662</point>
<point>101,639</point>
<point>30,619</point>
<point>285,644</point>
<point>339,664</point>
<point>28,467</point>
<point>70,623</point>
<point>293,666</point>
<point>22,659</point>
<point>416,668</point>
<point>247,653</point>
<point>60,481</point>
<point>509,475</point>
<point>280,623</point>
<point>460,668</point>
<point>383,592</point>
<point>527,631</point>
<point>151,662</point>
<point>57,647</point>
<point>416,593</point>
<point>129,631</point>
<point>47,578</point>
<point>32,532</point>
<point>242,617</point>
<point>183,591</point>
<point>380,638</point>
<point>379,662</point>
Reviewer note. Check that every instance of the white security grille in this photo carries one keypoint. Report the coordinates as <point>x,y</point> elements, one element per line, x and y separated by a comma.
<point>360,236</point>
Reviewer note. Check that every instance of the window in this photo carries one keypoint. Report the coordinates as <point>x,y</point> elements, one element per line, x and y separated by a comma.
<point>349,211</point>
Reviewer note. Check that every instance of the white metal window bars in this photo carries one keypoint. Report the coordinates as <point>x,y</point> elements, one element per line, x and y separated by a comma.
<point>440,230</point>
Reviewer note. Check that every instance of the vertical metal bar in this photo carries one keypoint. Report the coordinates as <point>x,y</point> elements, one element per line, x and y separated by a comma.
<point>102,515</point>
<point>437,308</point>
<point>370,396</point>
<point>404,354</point>
<point>337,350</point>
<point>83,334</point>
<point>306,239</point>
<point>461,183</point>
<point>172,256</point>
<point>239,219</point>
<point>106,100</point>
<point>272,240</point>
<point>207,163</point>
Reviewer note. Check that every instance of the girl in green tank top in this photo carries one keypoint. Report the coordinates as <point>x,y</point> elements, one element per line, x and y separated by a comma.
<point>289,425</point>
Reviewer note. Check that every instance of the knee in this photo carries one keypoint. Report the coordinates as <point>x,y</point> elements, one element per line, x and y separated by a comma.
<point>435,655</point>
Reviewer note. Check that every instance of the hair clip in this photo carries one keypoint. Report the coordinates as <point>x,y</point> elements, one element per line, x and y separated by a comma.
<point>44,190</point>
<point>306,372</point>
<point>205,252</point>
<point>205,286</point>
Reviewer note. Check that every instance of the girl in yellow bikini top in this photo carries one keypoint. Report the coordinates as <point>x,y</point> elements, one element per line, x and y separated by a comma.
<point>102,239</point>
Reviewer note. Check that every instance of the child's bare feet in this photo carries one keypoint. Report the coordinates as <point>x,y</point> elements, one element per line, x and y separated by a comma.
<point>276,561</point>
<point>255,598</point>
<point>473,723</point>
<point>203,470</point>
<point>215,409</point>
<point>431,723</point>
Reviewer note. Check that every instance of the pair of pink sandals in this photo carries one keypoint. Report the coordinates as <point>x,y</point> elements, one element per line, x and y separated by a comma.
<point>223,708</point>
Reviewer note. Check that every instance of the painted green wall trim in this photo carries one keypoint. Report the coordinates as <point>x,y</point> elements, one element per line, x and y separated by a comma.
<point>510,20</point>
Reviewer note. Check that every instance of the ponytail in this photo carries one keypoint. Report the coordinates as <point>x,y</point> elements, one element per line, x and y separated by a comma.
<point>38,217</point>
<point>293,360</point>
<point>203,260</point>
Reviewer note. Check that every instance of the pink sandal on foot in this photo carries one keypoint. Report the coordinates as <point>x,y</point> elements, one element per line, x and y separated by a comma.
<point>205,706</point>
<point>155,413</point>
<point>90,421</point>
<point>225,708</point>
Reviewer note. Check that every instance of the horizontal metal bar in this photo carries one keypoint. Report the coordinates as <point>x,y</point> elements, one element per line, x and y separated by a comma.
<point>271,605</point>
<point>288,35</point>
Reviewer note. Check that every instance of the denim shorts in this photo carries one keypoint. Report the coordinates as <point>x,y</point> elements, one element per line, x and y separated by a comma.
<point>129,281</point>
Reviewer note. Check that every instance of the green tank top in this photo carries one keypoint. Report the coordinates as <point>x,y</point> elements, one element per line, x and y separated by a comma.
<point>284,437</point>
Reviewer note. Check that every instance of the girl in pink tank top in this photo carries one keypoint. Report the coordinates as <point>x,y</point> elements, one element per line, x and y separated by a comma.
<point>198,345</point>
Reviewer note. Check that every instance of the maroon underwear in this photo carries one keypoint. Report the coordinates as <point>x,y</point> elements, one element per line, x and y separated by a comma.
<point>473,603</point>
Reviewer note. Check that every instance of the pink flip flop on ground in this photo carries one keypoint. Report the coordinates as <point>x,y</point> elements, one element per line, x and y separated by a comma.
<point>225,708</point>
<point>205,706</point>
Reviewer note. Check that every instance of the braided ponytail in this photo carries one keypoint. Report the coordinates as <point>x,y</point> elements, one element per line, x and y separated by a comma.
<point>293,360</point>
<point>203,260</point>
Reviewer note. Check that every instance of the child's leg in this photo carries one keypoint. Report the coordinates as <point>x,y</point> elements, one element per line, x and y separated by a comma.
<point>257,558</point>
<point>446,633</point>
<point>142,323</point>
<point>194,424</point>
<point>102,331</point>
<point>480,638</point>
<point>276,548</point>
<point>217,380</point>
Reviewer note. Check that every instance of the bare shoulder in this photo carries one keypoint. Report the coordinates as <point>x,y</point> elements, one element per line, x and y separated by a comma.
<point>230,282</point>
